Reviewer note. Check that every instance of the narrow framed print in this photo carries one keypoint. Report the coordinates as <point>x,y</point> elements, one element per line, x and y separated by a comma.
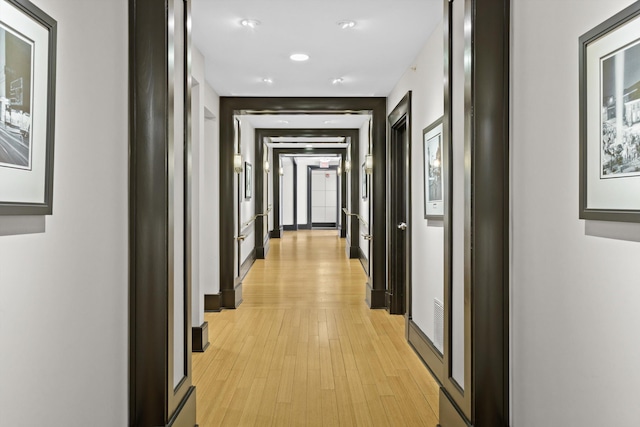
<point>248,184</point>
<point>433,171</point>
<point>365,182</point>
<point>610,119</point>
<point>27,104</point>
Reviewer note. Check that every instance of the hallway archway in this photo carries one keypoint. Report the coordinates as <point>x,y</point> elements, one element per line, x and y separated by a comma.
<point>230,106</point>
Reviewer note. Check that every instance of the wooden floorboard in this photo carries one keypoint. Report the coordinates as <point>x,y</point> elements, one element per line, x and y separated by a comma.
<point>304,349</point>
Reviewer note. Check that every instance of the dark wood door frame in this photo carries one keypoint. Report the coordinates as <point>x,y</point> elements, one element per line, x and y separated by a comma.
<point>153,399</point>
<point>399,207</point>
<point>353,135</point>
<point>339,212</point>
<point>376,106</point>
<point>484,402</point>
<point>277,152</point>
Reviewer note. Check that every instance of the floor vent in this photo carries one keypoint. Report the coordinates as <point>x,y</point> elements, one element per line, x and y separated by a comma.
<point>438,324</point>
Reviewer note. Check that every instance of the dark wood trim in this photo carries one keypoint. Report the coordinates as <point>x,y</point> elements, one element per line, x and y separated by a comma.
<point>275,234</point>
<point>296,105</point>
<point>290,228</point>
<point>277,152</point>
<point>325,225</point>
<point>449,414</point>
<point>354,252</point>
<point>399,289</point>
<point>423,346</point>
<point>247,264</point>
<point>364,261</point>
<point>485,400</point>
<point>212,303</point>
<point>261,223</point>
<point>375,298</point>
<point>231,298</point>
<point>153,401</point>
<point>295,194</point>
<point>200,339</point>
<point>490,211</point>
<point>185,412</point>
<point>263,250</point>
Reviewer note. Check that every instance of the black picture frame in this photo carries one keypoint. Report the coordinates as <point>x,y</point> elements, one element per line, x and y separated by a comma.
<point>27,117</point>
<point>433,135</point>
<point>248,180</point>
<point>609,123</point>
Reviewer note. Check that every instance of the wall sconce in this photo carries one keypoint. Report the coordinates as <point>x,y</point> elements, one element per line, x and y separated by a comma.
<point>266,166</point>
<point>281,171</point>
<point>347,166</point>
<point>368,164</point>
<point>237,162</point>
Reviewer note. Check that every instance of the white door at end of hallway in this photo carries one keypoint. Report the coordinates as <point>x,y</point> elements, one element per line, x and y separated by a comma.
<point>324,196</point>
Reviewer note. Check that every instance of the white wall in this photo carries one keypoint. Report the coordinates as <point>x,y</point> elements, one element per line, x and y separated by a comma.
<point>64,292</point>
<point>247,206</point>
<point>210,195</point>
<point>303,163</point>
<point>287,191</point>
<point>575,316</point>
<point>197,177</point>
<point>427,237</point>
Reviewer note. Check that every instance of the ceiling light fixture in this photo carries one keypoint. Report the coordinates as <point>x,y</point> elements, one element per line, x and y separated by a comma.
<point>328,122</point>
<point>309,146</point>
<point>250,23</point>
<point>267,80</point>
<point>284,122</point>
<point>337,80</point>
<point>299,57</point>
<point>346,24</point>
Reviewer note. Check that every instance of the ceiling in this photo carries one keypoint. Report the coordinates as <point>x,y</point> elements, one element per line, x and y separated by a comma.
<point>370,58</point>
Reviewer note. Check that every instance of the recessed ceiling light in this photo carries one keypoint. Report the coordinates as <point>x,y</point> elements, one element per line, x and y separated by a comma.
<point>299,57</point>
<point>337,80</point>
<point>284,122</point>
<point>267,80</point>
<point>346,24</point>
<point>251,23</point>
<point>309,146</point>
<point>327,122</point>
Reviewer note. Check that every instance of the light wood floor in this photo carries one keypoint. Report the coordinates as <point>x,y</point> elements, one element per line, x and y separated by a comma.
<point>304,349</point>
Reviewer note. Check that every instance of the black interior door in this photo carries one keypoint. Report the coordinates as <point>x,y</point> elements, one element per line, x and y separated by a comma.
<point>398,225</point>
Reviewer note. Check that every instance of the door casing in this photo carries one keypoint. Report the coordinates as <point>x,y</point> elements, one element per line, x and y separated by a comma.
<point>399,207</point>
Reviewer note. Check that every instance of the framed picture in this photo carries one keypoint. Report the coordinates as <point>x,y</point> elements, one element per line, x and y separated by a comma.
<point>365,182</point>
<point>610,119</point>
<point>27,102</point>
<point>433,171</point>
<point>248,176</point>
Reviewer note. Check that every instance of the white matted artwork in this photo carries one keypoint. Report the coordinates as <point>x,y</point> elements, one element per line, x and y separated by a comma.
<point>433,171</point>
<point>27,102</point>
<point>610,119</point>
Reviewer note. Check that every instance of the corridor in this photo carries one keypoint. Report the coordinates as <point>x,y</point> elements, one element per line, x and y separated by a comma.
<point>304,349</point>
